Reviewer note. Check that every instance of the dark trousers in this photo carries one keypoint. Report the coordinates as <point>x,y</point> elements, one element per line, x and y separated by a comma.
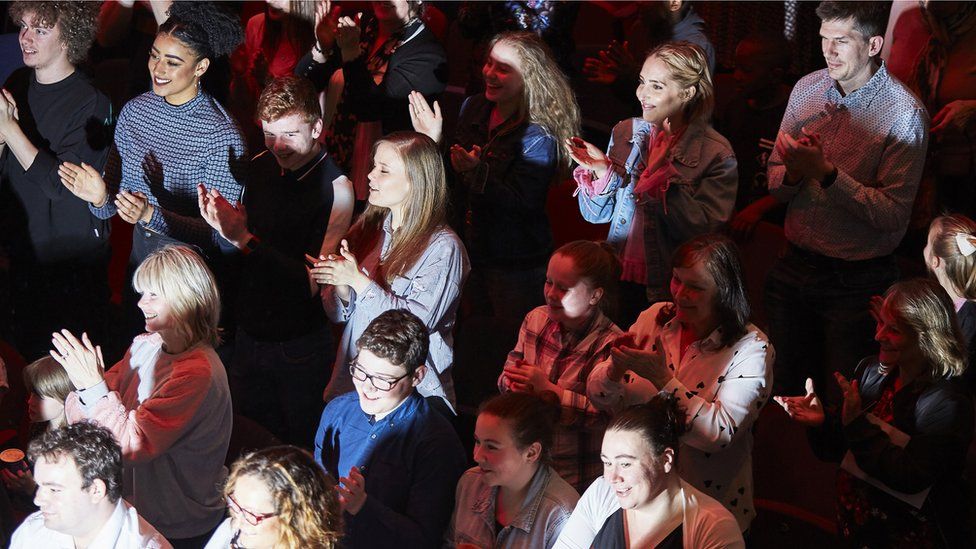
<point>279,384</point>
<point>819,319</point>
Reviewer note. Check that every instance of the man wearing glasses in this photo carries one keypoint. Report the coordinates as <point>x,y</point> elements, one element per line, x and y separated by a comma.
<point>78,470</point>
<point>397,459</point>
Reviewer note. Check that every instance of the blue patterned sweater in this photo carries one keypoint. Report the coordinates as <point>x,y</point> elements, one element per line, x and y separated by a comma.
<point>164,151</point>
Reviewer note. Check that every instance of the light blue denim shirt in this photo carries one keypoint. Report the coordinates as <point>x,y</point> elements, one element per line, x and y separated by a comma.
<point>700,197</point>
<point>430,289</point>
<point>548,505</point>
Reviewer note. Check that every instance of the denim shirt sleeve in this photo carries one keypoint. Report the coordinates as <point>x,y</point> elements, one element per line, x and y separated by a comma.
<point>600,208</point>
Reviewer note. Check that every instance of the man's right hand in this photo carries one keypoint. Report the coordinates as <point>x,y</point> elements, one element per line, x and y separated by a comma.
<point>84,182</point>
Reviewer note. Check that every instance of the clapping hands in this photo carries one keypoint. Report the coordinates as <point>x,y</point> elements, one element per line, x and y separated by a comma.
<point>424,119</point>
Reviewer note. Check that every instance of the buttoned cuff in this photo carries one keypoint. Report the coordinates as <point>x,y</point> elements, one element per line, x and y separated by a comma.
<point>88,397</point>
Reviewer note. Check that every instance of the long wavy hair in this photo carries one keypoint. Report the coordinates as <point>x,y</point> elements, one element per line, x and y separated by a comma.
<point>304,495</point>
<point>547,98</point>
<point>424,214</point>
<point>925,308</point>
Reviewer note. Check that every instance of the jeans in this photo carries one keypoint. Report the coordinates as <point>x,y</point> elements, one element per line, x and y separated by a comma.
<point>280,384</point>
<point>819,319</point>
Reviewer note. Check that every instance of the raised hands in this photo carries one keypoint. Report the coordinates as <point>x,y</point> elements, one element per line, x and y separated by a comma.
<point>426,121</point>
<point>650,364</point>
<point>8,114</point>
<point>326,25</point>
<point>342,272</point>
<point>225,218</point>
<point>463,160</point>
<point>803,157</point>
<point>84,182</point>
<point>611,63</point>
<point>852,398</point>
<point>352,491</point>
<point>81,360</point>
<point>588,155</point>
<point>133,207</point>
<point>806,409</point>
<point>348,35</point>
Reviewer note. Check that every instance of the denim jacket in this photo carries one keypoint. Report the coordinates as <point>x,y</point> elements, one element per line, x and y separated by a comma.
<point>700,196</point>
<point>548,504</point>
<point>504,198</point>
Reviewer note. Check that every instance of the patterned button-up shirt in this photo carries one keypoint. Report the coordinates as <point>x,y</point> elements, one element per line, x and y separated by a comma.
<point>569,358</point>
<point>876,136</point>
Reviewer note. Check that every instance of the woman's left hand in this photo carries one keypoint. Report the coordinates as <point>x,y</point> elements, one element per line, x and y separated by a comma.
<point>660,145</point>
<point>649,364</point>
<point>852,398</point>
<point>341,271</point>
<point>133,207</point>
<point>81,360</point>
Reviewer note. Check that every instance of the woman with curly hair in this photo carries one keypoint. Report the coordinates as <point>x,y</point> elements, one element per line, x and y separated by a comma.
<point>279,497</point>
<point>505,152</point>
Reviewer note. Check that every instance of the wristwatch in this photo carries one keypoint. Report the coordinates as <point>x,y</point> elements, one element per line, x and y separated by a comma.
<point>829,179</point>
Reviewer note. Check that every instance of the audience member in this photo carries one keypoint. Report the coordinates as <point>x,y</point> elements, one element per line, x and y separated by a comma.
<point>407,258</point>
<point>702,349</point>
<point>559,344</point>
<point>666,177</point>
<point>641,501</point>
<point>279,497</point>
<point>79,475</point>
<point>299,204</point>
<point>274,41</point>
<point>513,499</point>
<point>504,155</point>
<point>48,386</point>
<point>167,401</point>
<point>949,257</point>
<point>905,424</point>
<point>553,21</point>
<point>657,22</point>
<point>397,458</point>
<point>368,69</point>
<point>751,121</point>
<point>847,160</point>
<point>126,32</point>
<point>51,113</point>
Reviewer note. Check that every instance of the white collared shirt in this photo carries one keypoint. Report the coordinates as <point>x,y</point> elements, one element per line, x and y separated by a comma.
<point>124,529</point>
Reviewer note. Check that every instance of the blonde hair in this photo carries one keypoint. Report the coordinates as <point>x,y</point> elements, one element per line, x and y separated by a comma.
<point>182,278</point>
<point>304,495</point>
<point>423,215</point>
<point>960,269</point>
<point>45,377</point>
<point>925,308</point>
<point>688,66</point>
<point>547,98</point>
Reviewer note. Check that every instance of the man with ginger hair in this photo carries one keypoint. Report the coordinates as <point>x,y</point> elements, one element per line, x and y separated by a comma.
<point>298,203</point>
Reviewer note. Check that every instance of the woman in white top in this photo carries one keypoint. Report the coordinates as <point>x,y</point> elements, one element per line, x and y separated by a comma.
<point>702,349</point>
<point>641,501</point>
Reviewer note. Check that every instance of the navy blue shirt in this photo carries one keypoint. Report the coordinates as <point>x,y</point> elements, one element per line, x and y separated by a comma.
<point>411,459</point>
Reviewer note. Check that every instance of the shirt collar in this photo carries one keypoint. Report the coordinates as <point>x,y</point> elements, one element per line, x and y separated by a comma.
<point>863,95</point>
<point>405,410</point>
<point>712,342</point>
<point>109,534</point>
<point>484,504</point>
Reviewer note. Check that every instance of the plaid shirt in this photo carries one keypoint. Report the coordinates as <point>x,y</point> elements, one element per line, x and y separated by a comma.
<point>569,358</point>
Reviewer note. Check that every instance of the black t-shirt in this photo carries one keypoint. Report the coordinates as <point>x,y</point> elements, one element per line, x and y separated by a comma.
<point>612,535</point>
<point>68,121</point>
<point>289,213</point>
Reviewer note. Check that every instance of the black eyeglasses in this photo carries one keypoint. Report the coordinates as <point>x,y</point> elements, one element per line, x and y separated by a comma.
<point>252,518</point>
<point>379,383</point>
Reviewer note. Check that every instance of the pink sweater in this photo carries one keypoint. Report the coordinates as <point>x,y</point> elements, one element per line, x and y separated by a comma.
<point>172,416</point>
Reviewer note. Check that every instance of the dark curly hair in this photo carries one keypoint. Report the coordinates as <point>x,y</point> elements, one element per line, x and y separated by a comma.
<point>93,449</point>
<point>77,22</point>
<point>659,421</point>
<point>399,336</point>
<point>304,495</point>
<point>207,30</point>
